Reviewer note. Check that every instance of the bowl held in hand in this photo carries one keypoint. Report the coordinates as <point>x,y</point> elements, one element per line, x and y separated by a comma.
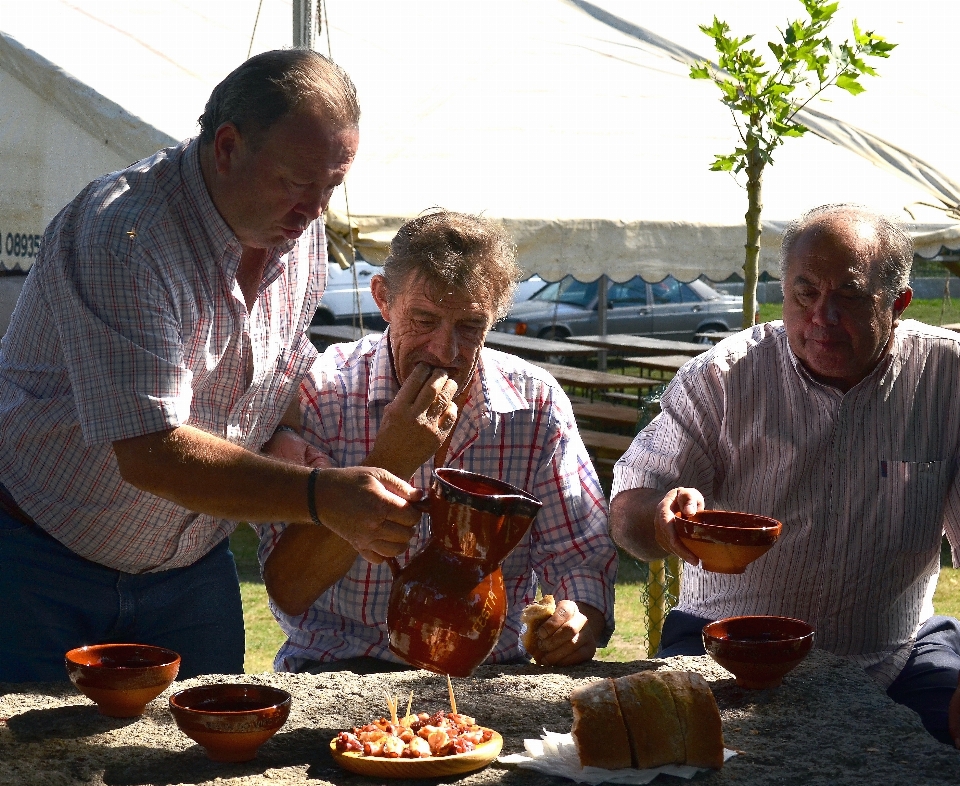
<point>726,541</point>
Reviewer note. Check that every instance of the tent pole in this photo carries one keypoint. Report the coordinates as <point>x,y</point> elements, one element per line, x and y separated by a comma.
<point>602,319</point>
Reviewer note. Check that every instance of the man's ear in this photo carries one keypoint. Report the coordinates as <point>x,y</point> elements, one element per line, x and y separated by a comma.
<point>901,303</point>
<point>226,142</point>
<point>378,288</point>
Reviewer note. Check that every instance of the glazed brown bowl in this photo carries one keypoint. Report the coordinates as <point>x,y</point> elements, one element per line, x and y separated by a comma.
<point>122,678</point>
<point>725,541</point>
<point>759,650</point>
<point>230,721</point>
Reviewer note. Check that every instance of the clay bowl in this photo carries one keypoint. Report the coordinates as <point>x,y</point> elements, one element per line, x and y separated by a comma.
<point>758,651</point>
<point>230,721</point>
<point>725,541</point>
<point>122,678</point>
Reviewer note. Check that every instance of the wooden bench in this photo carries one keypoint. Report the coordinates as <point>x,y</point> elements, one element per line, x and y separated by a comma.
<point>605,449</point>
<point>610,414</point>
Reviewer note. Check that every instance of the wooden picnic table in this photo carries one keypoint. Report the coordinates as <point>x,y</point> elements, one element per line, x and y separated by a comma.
<point>530,347</point>
<point>624,344</point>
<point>588,379</point>
<point>606,413</point>
<point>335,334</point>
<point>662,363</point>
<point>714,336</point>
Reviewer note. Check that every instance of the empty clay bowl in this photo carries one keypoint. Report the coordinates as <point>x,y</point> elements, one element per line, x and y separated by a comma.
<point>122,678</point>
<point>758,651</point>
<point>725,541</point>
<point>230,721</point>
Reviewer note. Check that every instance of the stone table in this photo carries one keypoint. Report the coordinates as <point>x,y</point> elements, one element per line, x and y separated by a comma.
<point>827,724</point>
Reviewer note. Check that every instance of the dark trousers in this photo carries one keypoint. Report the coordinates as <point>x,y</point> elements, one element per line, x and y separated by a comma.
<point>926,684</point>
<point>52,600</point>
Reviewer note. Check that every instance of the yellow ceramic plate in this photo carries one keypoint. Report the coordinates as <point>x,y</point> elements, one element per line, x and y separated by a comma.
<point>433,767</point>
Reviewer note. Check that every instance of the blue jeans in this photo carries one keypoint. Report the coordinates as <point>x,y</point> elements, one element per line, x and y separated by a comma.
<point>925,685</point>
<point>52,600</point>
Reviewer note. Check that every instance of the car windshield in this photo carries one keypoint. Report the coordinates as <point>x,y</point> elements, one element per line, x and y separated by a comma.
<point>570,291</point>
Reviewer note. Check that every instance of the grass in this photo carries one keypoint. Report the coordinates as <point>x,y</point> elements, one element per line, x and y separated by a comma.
<point>628,643</point>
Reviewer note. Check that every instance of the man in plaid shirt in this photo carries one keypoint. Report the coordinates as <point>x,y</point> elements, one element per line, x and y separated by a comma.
<point>160,339</point>
<point>428,394</point>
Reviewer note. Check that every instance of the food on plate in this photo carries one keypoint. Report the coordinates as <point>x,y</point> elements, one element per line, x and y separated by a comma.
<point>415,736</point>
<point>646,720</point>
<point>533,616</point>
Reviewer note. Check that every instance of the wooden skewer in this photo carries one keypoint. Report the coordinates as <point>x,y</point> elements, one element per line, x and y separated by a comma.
<point>409,704</point>
<point>453,701</point>
<point>392,706</point>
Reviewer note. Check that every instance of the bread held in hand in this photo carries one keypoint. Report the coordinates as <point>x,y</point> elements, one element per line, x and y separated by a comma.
<point>533,616</point>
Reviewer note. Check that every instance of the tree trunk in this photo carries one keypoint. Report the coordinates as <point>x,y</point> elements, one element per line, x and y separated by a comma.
<point>752,261</point>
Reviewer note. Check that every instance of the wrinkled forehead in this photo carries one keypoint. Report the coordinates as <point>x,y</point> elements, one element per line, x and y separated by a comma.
<point>843,246</point>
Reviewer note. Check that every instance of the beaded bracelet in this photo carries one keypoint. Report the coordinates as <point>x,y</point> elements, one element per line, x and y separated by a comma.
<point>311,496</point>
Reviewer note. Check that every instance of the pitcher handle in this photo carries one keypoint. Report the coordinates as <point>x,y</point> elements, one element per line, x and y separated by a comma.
<point>423,505</point>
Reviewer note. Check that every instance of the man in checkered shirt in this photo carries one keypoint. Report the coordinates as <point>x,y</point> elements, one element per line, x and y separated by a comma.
<point>158,344</point>
<point>429,394</point>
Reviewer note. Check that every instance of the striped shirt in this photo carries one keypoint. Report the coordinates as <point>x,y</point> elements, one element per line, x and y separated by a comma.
<point>864,482</point>
<point>132,322</point>
<point>517,425</point>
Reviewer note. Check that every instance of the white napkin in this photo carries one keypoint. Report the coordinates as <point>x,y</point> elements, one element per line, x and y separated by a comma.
<point>556,754</point>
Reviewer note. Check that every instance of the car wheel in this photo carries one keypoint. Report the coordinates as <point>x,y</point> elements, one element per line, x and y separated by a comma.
<point>322,317</point>
<point>554,334</point>
<point>709,329</point>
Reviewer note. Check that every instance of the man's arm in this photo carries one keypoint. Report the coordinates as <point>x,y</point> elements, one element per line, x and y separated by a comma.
<point>641,522</point>
<point>306,561</point>
<point>370,508</point>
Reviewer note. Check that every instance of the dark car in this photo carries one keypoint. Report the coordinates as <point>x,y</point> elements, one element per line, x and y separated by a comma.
<point>343,298</point>
<point>668,309</point>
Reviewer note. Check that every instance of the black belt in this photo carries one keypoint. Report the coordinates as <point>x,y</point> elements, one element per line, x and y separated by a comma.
<point>9,506</point>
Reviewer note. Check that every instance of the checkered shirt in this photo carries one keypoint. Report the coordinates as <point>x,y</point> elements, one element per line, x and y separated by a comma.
<point>131,322</point>
<point>516,425</point>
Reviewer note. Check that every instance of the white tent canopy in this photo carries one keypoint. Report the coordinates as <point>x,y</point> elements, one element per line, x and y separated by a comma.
<point>589,141</point>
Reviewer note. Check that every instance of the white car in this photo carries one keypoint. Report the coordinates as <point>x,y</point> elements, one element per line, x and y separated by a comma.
<point>345,298</point>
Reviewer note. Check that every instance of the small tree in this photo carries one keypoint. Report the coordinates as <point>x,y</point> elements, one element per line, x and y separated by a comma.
<point>764,103</point>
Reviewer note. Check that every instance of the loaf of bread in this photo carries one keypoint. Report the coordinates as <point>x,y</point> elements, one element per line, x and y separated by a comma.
<point>533,616</point>
<point>598,726</point>
<point>647,719</point>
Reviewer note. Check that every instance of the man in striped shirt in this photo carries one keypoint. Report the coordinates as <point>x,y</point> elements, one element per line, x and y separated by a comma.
<point>842,423</point>
<point>428,394</point>
<point>160,339</point>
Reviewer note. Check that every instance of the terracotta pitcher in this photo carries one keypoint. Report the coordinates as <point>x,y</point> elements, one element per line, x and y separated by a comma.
<point>448,605</point>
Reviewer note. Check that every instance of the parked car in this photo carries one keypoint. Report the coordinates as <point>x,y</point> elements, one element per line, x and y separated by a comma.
<point>342,299</point>
<point>668,309</point>
<point>528,288</point>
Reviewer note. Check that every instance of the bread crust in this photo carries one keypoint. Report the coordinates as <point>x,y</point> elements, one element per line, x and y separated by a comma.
<point>598,726</point>
<point>650,714</point>
<point>699,718</point>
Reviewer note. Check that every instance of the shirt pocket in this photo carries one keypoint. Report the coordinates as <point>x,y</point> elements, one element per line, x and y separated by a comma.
<point>913,493</point>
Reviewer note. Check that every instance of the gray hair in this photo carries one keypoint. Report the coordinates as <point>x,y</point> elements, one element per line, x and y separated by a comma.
<point>268,86</point>
<point>456,252</point>
<point>892,256</point>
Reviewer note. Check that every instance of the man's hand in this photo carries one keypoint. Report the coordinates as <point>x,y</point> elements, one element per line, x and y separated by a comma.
<point>416,423</point>
<point>676,502</point>
<point>569,636</point>
<point>369,508</point>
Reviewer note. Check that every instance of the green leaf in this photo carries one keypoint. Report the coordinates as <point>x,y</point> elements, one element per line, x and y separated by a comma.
<point>850,84</point>
<point>777,50</point>
<point>699,72</point>
<point>723,163</point>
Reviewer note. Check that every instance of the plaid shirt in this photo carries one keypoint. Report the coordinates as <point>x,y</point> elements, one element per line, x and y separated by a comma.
<point>132,322</point>
<point>516,425</point>
<point>865,482</point>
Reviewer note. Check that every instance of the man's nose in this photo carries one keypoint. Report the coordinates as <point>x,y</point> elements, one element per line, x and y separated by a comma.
<point>826,310</point>
<point>313,203</point>
<point>444,345</point>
